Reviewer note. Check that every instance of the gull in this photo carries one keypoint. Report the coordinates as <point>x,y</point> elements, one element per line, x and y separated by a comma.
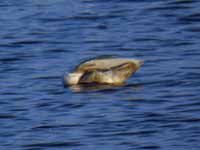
<point>114,71</point>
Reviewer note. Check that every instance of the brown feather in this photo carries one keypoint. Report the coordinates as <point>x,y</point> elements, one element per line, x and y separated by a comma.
<point>117,74</point>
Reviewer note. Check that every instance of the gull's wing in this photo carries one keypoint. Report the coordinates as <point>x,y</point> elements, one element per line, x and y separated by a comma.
<point>114,75</point>
<point>104,64</point>
<point>124,71</point>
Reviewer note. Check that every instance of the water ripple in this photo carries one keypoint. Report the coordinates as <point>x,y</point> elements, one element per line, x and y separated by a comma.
<point>53,144</point>
<point>157,108</point>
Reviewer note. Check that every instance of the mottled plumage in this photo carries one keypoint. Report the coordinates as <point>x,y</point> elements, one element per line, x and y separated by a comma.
<point>105,71</point>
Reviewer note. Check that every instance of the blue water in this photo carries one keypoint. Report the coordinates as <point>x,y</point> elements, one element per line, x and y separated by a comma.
<point>158,108</point>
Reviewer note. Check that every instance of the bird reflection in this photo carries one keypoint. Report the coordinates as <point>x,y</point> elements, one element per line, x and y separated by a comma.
<point>100,87</point>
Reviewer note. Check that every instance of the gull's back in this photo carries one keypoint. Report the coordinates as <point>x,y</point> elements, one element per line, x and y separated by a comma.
<point>105,64</point>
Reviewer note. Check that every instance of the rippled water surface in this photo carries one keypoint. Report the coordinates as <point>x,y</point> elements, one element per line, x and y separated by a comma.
<point>159,108</point>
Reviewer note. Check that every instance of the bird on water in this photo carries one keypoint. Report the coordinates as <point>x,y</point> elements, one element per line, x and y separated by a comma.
<point>103,71</point>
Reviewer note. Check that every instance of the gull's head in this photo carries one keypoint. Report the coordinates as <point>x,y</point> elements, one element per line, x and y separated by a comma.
<point>72,78</point>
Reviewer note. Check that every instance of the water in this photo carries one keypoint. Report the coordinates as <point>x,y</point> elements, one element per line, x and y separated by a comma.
<point>159,107</point>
